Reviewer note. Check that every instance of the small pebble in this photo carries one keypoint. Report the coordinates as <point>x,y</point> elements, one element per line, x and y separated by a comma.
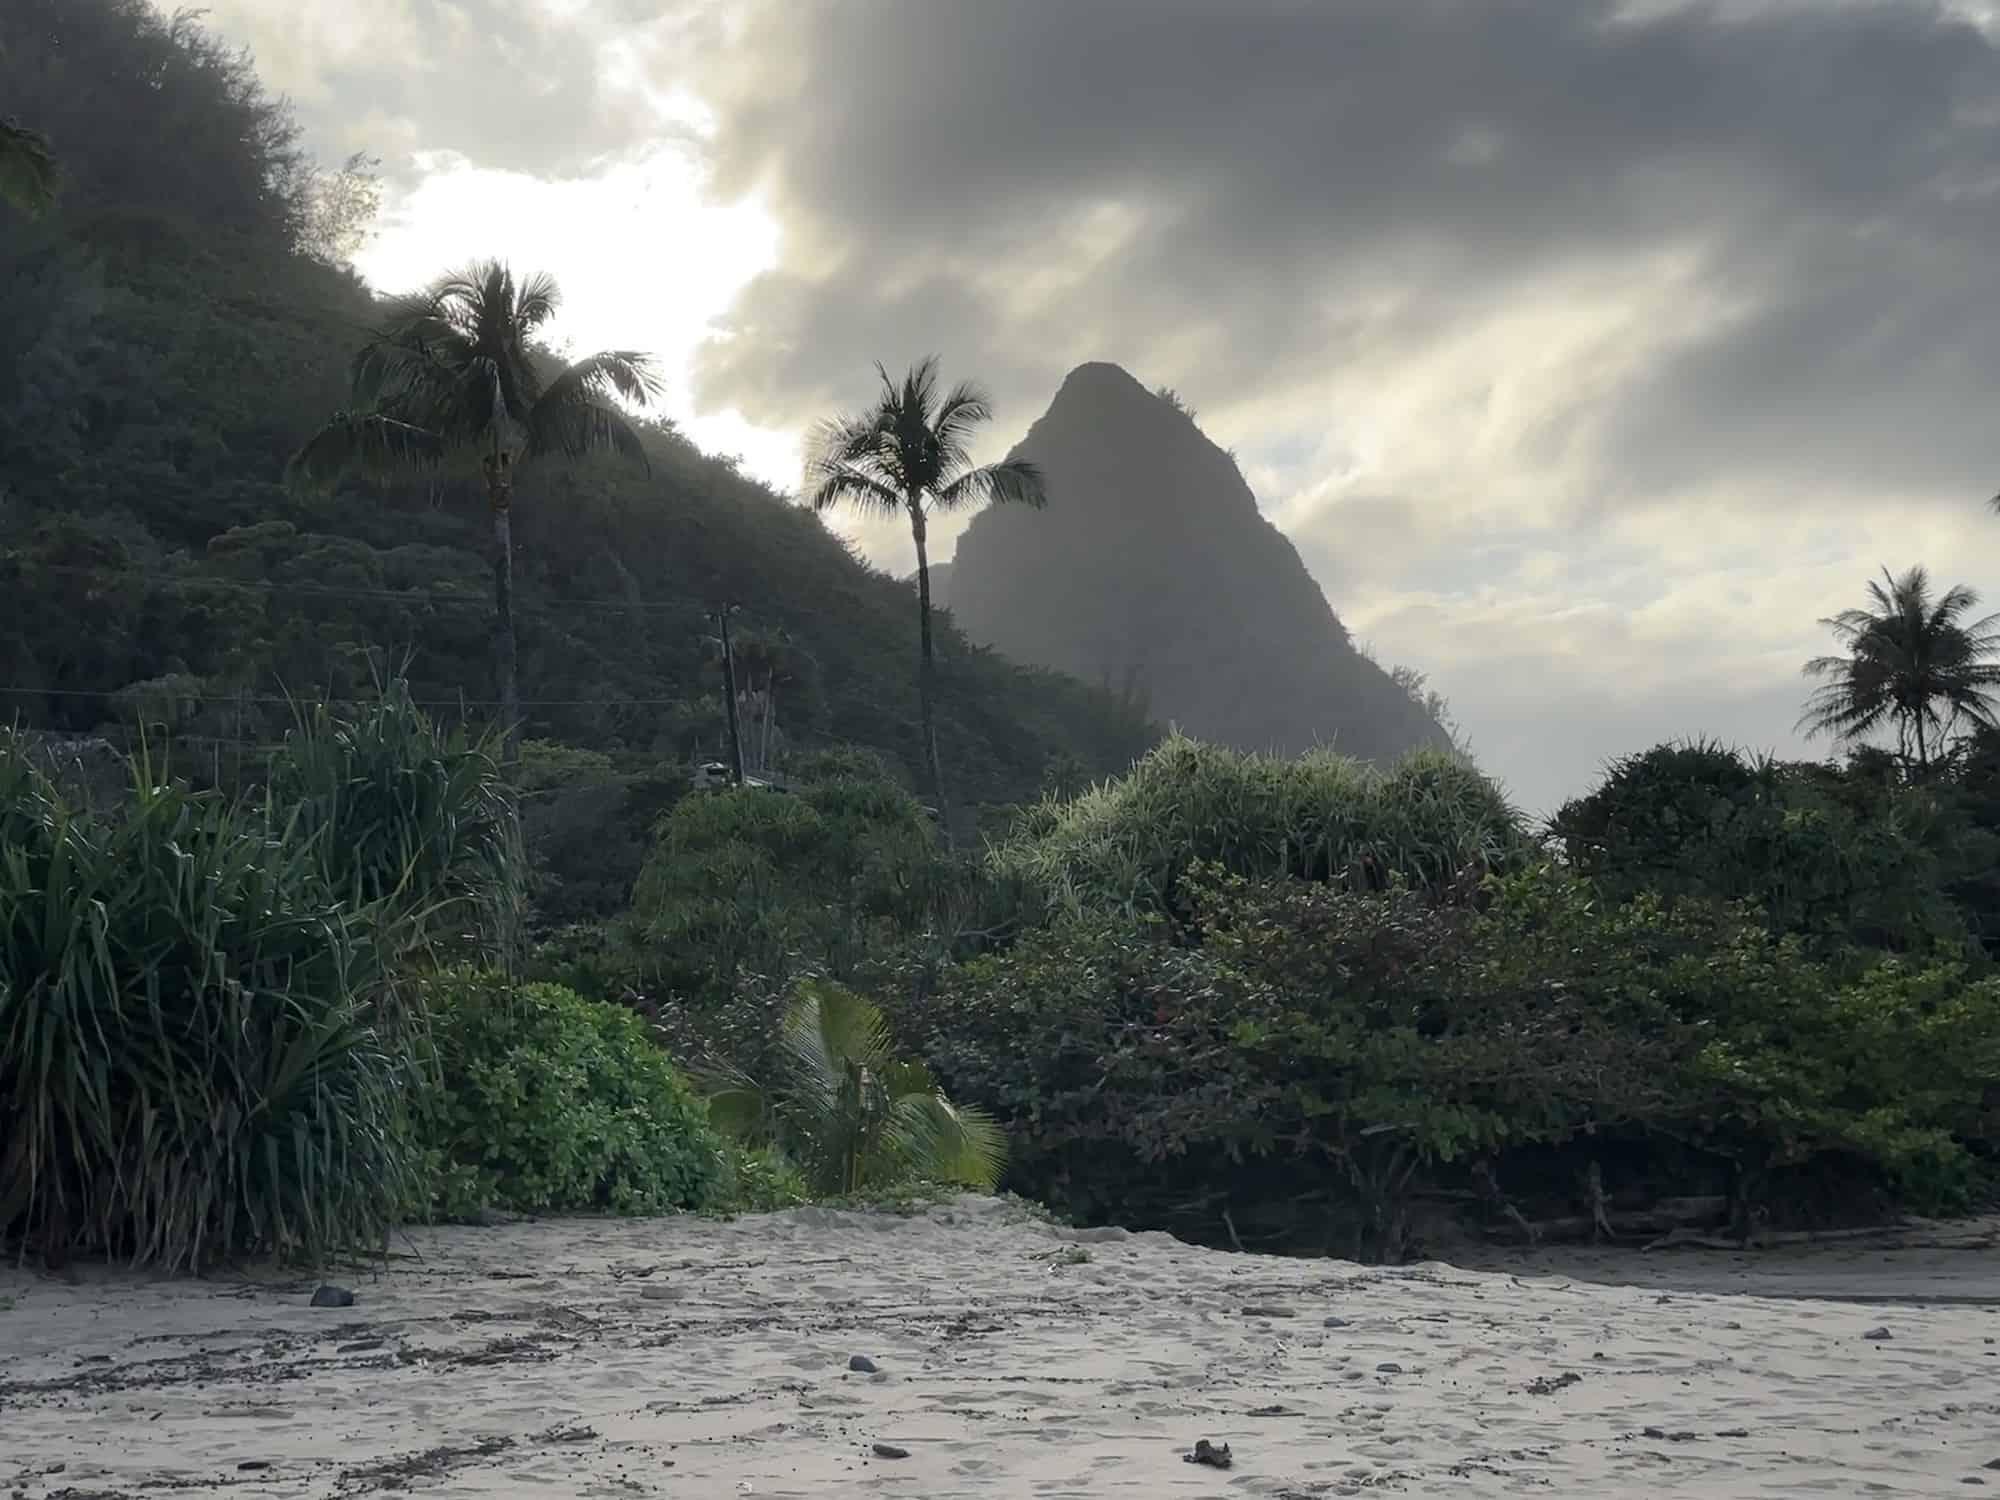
<point>861,1364</point>
<point>1269,1312</point>
<point>250,1464</point>
<point>890,1450</point>
<point>333,1296</point>
<point>1390,1369</point>
<point>1878,1335</point>
<point>1337,1323</point>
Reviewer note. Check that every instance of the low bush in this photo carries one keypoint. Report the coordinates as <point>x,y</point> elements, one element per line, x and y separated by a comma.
<point>758,882</point>
<point>547,1102</point>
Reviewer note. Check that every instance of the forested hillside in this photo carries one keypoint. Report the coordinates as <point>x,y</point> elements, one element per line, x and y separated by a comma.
<point>181,323</point>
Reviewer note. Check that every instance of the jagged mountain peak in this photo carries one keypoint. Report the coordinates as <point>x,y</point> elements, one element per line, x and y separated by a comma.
<point>1154,573</point>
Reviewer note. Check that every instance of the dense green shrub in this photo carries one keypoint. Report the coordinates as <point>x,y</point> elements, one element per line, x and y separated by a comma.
<point>193,1057</point>
<point>1430,819</point>
<point>758,882</point>
<point>1307,1055</point>
<point>547,1102</point>
<point>1843,858</point>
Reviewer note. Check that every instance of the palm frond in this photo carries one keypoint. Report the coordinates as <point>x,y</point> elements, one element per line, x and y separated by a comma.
<point>944,1142</point>
<point>964,409</point>
<point>365,441</point>
<point>851,485</point>
<point>738,1105</point>
<point>614,372</point>
<point>577,427</point>
<point>536,301</point>
<point>1014,482</point>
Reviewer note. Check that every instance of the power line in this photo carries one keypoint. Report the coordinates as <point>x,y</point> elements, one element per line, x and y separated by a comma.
<point>395,596</point>
<point>141,689</point>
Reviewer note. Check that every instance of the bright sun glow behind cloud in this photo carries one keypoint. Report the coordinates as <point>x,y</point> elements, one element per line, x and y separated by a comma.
<point>644,259</point>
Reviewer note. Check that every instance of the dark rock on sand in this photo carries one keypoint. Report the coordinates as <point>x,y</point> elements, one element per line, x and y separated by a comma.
<point>1208,1454</point>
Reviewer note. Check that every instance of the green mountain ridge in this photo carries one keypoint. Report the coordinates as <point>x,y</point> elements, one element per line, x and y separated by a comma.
<point>165,344</point>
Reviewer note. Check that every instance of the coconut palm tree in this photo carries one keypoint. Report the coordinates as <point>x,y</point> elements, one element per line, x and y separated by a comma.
<point>848,1113</point>
<point>766,661</point>
<point>28,171</point>
<point>908,456</point>
<point>453,374</point>
<point>1913,661</point>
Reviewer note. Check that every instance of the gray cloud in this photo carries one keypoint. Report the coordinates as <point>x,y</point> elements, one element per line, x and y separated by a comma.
<point>516,84</point>
<point>1471,283</point>
<point>1281,170</point>
<point>1589,349</point>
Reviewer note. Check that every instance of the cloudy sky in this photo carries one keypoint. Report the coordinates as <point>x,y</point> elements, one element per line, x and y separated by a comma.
<point>1589,350</point>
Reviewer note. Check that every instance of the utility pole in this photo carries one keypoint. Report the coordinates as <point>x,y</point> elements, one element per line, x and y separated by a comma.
<point>721,617</point>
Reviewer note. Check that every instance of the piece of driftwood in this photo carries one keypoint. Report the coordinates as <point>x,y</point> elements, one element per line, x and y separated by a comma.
<point>1768,1239</point>
<point>1663,1217</point>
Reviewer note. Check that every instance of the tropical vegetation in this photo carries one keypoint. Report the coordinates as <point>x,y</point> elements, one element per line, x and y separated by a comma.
<point>1914,663</point>
<point>300,938</point>
<point>454,372</point>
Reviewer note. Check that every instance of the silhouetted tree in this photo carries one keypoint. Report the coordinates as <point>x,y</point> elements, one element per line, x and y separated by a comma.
<point>1912,661</point>
<point>453,372</point>
<point>907,455</point>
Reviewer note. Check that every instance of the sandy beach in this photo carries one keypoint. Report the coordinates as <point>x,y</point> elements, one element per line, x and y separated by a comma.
<point>1011,1358</point>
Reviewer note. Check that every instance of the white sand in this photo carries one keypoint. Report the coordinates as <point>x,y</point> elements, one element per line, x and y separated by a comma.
<point>694,1359</point>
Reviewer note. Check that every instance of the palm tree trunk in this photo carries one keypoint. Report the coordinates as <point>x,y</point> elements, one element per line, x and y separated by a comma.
<point>500,498</point>
<point>926,671</point>
<point>770,712</point>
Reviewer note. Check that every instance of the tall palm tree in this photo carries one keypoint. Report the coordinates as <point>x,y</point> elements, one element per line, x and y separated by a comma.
<point>28,172</point>
<point>908,456</point>
<point>453,374</point>
<point>1913,661</point>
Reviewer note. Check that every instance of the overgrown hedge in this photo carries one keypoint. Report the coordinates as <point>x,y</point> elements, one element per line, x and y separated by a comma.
<point>1305,1057</point>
